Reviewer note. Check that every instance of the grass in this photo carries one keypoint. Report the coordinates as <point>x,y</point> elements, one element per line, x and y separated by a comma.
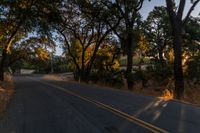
<point>6,91</point>
<point>191,94</point>
<point>58,77</point>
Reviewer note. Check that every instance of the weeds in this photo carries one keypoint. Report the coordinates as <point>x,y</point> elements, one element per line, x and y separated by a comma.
<point>6,91</point>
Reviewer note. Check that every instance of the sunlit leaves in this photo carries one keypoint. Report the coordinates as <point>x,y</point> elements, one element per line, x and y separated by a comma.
<point>143,44</point>
<point>42,53</point>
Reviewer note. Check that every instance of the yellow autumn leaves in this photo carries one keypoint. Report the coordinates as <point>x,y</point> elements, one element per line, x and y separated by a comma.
<point>43,54</point>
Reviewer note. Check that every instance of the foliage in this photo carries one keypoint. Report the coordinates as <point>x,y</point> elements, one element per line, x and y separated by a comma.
<point>20,17</point>
<point>143,44</point>
<point>159,73</point>
<point>113,78</point>
<point>127,12</point>
<point>194,69</point>
<point>107,58</point>
<point>157,32</point>
<point>82,35</point>
<point>30,50</point>
<point>60,64</point>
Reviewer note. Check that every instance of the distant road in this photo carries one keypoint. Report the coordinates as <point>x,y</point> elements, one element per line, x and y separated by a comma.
<point>44,106</point>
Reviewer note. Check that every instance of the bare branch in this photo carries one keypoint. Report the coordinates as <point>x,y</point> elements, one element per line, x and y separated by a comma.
<point>117,5</point>
<point>139,5</point>
<point>190,11</point>
<point>180,9</point>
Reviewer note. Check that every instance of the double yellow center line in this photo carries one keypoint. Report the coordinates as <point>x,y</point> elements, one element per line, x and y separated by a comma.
<point>117,112</point>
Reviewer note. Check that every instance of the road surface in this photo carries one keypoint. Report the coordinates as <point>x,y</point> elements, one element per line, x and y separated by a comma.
<point>44,106</point>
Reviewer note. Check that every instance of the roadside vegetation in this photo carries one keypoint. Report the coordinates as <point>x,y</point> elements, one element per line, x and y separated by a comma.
<point>106,42</point>
<point>6,92</point>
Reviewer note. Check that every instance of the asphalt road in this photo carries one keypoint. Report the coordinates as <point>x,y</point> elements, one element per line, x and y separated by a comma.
<point>43,106</point>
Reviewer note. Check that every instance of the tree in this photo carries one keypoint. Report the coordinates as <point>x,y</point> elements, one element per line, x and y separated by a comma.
<point>192,48</point>
<point>86,32</point>
<point>177,25</point>
<point>107,57</point>
<point>23,16</point>
<point>30,49</point>
<point>128,14</point>
<point>157,31</point>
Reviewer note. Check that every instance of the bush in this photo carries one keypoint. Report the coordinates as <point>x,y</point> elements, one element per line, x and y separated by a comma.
<point>193,71</point>
<point>140,76</point>
<point>113,78</point>
<point>159,72</point>
<point>137,76</point>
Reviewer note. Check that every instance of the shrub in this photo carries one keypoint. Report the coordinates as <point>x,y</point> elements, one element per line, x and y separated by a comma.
<point>137,76</point>
<point>159,72</point>
<point>193,71</point>
<point>113,78</point>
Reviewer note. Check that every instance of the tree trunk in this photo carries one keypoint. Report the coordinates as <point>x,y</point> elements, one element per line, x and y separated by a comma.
<point>129,68</point>
<point>83,75</point>
<point>2,65</point>
<point>177,29</point>
<point>178,70</point>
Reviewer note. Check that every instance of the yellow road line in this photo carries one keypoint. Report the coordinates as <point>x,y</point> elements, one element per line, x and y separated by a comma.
<point>117,112</point>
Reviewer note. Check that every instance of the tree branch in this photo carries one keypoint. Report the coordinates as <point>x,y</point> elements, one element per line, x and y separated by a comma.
<point>190,11</point>
<point>139,5</point>
<point>172,14</point>
<point>180,9</point>
<point>68,48</point>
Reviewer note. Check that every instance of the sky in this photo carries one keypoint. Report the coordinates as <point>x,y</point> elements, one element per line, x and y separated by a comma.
<point>148,6</point>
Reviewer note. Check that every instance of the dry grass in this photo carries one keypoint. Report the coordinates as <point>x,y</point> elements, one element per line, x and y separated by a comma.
<point>52,77</point>
<point>191,95</point>
<point>6,91</point>
<point>59,77</point>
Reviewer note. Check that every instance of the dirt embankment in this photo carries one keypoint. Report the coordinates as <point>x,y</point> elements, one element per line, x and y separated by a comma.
<point>6,91</point>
